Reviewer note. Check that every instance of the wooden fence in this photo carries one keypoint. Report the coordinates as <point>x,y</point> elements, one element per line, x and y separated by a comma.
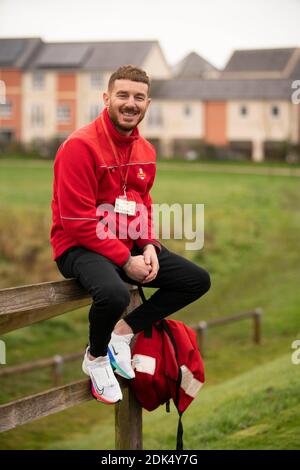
<point>202,327</point>
<point>56,363</point>
<point>26,305</point>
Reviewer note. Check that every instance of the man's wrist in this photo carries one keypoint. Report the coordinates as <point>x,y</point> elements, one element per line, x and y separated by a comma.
<point>128,262</point>
<point>148,244</point>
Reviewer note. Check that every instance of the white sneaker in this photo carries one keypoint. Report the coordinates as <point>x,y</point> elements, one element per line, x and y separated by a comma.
<point>120,355</point>
<point>104,385</point>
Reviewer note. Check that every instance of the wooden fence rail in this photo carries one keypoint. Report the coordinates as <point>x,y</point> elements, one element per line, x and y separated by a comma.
<point>26,305</point>
<point>57,362</point>
<point>43,404</point>
<point>202,327</point>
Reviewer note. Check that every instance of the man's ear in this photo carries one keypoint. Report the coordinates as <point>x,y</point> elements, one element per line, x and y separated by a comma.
<point>106,99</point>
<point>148,102</point>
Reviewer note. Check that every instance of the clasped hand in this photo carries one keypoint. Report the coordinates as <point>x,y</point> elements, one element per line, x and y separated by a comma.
<point>143,268</point>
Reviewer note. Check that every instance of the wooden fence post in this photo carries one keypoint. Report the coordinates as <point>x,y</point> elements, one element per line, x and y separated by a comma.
<point>257,326</point>
<point>128,413</point>
<point>128,421</point>
<point>201,329</point>
<point>57,370</point>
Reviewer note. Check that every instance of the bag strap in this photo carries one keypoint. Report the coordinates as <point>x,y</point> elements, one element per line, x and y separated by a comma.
<point>147,331</point>
<point>179,440</point>
<point>142,295</point>
<point>148,334</point>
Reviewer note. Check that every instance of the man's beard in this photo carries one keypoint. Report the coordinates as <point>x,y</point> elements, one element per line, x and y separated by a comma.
<point>118,125</point>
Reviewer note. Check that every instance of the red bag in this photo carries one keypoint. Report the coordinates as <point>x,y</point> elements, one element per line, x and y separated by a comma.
<point>168,365</point>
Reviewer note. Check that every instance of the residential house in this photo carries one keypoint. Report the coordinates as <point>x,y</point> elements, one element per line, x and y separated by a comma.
<point>53,88</point>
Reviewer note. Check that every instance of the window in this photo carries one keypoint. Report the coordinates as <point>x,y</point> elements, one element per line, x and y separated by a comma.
<point>155,117</point>
<point>95,110</point>
<point>7,135</point>
<point>97,80</point>
<point>38,80</point>
<point>37,115</point>
<point>63,113</point>
<point>187,110</point>
<point>2,92</point>
<point>275,110</point>
<point>6,109</point>
<point>243,110</point>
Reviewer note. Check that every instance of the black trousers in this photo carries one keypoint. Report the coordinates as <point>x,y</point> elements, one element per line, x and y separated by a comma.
<point>180,282</point>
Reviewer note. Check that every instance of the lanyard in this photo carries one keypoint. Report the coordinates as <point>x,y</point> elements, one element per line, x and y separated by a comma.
<point>123,173</point>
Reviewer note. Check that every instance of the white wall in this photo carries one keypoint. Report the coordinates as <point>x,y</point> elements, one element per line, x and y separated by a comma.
<point>175,124</point>
<point>88,96</point>
<point>155,64</point>
<point>47,99</point>
<point>259,123</point>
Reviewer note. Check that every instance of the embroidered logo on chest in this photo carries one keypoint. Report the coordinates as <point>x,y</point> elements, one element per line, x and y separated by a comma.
<point>141,175</point>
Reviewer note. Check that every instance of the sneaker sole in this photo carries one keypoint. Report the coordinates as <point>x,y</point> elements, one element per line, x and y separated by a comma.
<point>116,366</point>
<point>99,398</point>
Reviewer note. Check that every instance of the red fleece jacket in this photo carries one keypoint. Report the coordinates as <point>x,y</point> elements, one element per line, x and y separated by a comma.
<point>86,174</point>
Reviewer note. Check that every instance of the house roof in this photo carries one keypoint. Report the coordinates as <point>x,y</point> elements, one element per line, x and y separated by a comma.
<point>295,73</point>
<point>193,66</point>
<point>17,52</point>
<point>259,60</point>
<point>106,55</point>
<point>220,89</point>
<point>92,55</point>
<point>110,55</point>
<point>56,55</point>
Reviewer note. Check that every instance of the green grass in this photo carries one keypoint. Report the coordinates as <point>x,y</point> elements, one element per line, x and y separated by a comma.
<point>259,409</point>
<point>252,225</point>
<point>25,184</point>
<point>255,410</point>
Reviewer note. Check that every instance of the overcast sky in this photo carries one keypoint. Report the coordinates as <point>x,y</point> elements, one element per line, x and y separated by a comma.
<point>212,28</point>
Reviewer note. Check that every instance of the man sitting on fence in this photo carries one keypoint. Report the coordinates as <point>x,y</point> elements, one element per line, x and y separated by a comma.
<point>102,165</point>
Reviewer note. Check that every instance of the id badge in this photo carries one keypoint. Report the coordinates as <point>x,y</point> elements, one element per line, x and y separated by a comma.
<point>123,206</point>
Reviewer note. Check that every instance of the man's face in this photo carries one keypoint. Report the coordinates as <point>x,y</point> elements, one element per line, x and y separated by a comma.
<point>127,103</point>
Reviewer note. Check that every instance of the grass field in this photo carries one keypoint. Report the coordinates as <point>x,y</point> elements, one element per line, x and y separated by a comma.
<point>251,250</point>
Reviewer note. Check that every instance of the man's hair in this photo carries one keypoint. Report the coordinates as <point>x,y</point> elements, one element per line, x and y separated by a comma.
<point>129,72</point>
